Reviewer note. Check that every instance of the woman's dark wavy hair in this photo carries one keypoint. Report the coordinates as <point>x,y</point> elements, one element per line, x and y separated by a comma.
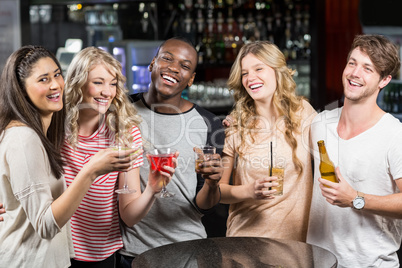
<point>16,105</point>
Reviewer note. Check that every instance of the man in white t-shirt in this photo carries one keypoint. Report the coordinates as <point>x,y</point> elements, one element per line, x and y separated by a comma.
<point>359,218</point>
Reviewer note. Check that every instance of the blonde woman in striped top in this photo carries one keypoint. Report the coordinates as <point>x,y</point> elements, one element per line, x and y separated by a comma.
<point>99,111</point>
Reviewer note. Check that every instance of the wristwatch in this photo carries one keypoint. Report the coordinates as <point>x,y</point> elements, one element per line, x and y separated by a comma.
<point>358,202</point>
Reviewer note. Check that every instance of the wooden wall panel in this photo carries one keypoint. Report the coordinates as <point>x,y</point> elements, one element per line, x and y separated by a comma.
<point>342,24</point>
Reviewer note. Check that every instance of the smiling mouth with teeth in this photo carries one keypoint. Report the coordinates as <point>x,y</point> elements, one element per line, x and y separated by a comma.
<point>54,96</point>
<point>169,78</point>
<point>255,86</point>
<point>101,100</point>
<point>354,84</point>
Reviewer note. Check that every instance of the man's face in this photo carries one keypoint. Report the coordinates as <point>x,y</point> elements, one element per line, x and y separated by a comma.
<point>173,69</point>
<point>360,78</point>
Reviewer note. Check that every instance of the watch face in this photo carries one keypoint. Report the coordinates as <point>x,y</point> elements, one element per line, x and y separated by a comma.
<point>358,202</point>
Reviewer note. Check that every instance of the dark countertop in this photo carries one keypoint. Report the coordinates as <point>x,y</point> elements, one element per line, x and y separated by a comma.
<point>236,252</point>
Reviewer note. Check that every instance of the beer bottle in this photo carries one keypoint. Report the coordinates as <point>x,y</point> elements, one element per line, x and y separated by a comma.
<point>327,168</point>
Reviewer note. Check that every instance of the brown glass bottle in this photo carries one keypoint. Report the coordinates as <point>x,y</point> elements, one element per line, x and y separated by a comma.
<point>327,168</point>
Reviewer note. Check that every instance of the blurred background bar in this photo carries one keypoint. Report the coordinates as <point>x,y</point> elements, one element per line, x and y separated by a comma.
<point>314,35</point>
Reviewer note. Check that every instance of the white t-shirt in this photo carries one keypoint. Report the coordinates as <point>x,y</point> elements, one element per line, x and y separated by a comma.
<point>369,162</point>
<point>29,235</point>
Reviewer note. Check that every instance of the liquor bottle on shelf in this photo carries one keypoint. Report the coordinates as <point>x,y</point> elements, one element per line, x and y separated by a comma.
<point>391,98</point>
<point>229,3</point>
<point>399,100</point>
<point>201,49</point>
<point>306,31</point>
<point>396,99</point>
<point>219,4</point>
<point>297,34</point>
<point>231,48</point>
<point>219,42</point>
<point>200,21</point>
<point>260,27</point>
<point>241,21</point>
<point>280,41</point>
<point>210,38</point>
<point>250,28</point>
<point>289,50</point>
<point>386,99</point>
<point>220,27</point>
<point>200,4</point>
<point>238,37</point>
<point>249,4</point>
<point>210,5</point>
<point>189,28</point>
<point>188,4</point>
<point>270,29</point>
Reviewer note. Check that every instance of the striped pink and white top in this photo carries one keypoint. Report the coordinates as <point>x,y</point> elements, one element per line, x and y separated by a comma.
<point>95,224</point>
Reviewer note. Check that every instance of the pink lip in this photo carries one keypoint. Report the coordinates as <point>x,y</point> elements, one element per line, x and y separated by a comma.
<point>352,85</point>
<point>57,99</point>
<point>255,89</point>
<point>101,103</point>
<point>166,81</point>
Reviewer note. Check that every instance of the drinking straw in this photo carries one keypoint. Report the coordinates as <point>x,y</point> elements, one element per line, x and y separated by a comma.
<point>270,167</point>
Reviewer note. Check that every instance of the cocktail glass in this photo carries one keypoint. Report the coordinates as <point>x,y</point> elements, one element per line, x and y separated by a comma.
<point>125,189</point>
<point>159,158</point>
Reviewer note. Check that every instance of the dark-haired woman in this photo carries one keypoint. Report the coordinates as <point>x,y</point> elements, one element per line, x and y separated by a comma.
<point>35,232</point>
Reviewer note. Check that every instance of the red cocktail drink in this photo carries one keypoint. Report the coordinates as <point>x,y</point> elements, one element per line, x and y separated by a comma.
<point>160,160</point>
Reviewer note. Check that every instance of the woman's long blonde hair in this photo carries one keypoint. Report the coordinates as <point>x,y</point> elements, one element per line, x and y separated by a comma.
<point>285,100</point>
<point>121,116</point>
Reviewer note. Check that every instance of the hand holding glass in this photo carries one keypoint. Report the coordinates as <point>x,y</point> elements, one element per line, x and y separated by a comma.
<point>202,154</point>
<point>125,189</point>
<point>279,172</point>
<point>159,158</point>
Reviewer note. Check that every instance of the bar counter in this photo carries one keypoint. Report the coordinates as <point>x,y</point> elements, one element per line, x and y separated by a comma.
<point>236,252</point>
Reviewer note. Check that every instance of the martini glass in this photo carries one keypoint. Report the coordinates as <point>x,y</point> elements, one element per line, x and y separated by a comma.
<point>159,158</point>
<point>125,189</point>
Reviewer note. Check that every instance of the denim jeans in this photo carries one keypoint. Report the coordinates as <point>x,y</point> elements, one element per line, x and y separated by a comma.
<point>124,261</point>
<point>110,262</point>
